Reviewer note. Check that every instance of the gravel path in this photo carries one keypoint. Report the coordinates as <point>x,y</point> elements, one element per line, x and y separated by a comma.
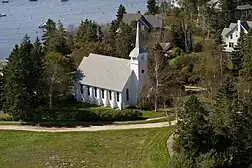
<point>90,128</point>
<point>169,145</point>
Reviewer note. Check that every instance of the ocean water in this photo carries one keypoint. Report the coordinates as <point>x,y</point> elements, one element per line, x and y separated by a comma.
<point>24,16</point>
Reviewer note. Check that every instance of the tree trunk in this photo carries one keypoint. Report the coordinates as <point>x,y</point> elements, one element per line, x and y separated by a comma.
<point>157,82</point>
<point>51,93</point>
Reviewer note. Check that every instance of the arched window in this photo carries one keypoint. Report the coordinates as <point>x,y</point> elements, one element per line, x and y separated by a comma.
<point>142,71</point>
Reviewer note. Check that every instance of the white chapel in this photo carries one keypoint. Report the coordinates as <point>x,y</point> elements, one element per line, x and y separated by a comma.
<point>112,82</point>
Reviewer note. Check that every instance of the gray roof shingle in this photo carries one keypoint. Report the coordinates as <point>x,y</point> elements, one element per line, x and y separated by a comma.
<point>154,20</point>
<point>129,17</point>
<point>149,20</point>
<point>104,72</point>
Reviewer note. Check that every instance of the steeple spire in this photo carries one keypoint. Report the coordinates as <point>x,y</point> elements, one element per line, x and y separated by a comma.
<point>138,46</point>
<point>138,39</point>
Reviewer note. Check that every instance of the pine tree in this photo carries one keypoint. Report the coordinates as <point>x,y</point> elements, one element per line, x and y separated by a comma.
<point>36,77</point>
<point>49,35</point>
<point>88,31</point>
<point>152,7</point>
<point>193,130</point>
<point>1,89</point>
<point>17,93</point>
<point>124,41</point>
<point>61,45</point>
<point>231,121</point>
<point>228,11</point>
<point>119,16</point>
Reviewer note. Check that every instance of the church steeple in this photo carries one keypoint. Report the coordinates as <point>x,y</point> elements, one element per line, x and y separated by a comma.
<point>138,46</point>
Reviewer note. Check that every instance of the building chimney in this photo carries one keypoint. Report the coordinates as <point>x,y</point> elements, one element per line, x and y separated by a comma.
<point>239,26</point>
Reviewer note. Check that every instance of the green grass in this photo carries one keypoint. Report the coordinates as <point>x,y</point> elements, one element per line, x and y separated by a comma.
<point>140,148</point>
<point>152,114</point>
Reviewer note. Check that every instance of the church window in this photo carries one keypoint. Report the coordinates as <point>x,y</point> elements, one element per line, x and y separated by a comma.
<point>142,71</point>
<point>81,88</point>
<point>95,92</point>
<point>88,88</point>
<point>102,93</point>
<point>127,94</point>
<point>117,96</point>
<point>110,95</point>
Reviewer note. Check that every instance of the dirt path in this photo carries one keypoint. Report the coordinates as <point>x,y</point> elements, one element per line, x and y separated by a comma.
<point>90,128</point>
<point>169,145</point>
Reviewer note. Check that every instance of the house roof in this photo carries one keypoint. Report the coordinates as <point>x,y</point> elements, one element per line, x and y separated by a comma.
<point>104,72</point>
<point>129,17</point>
<point>165,46</point>
<point>154,20</point>
<point>245,24</point>
<point>148,20</point>
<point>244,7</point>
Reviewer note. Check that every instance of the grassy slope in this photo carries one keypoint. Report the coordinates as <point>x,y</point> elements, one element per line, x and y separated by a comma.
<point>144,148</point>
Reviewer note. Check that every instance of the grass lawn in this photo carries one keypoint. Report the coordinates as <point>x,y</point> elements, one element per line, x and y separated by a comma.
<point>152,114</point>
<point>141,148</point>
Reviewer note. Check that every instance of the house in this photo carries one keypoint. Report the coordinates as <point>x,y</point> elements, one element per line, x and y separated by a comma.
<point>214,4</point>
<point>167,48</point>
<point>147,22</point>
<point>231,35</point>
<point>113,82</point>
<point>243,11</point>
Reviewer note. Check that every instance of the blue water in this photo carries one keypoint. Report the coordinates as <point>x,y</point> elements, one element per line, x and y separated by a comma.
<point>24,16</point>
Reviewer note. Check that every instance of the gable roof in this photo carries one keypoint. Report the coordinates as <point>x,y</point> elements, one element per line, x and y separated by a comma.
<point>244,7</point>
<point>104,72</point>
<point>245,24</point>
<point>154,20</point>
<point>148,20</point>
<point>129,17</point>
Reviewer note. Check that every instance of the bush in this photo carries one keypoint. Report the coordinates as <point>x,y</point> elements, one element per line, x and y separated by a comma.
<point>102,115</point>
<point>110,115</point>
<point>5,117</point>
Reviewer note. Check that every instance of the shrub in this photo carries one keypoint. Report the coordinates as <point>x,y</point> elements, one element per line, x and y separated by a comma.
<point>108,115</point>
<point>5,117</point>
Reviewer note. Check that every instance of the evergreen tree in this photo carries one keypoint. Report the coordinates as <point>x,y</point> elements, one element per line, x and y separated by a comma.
<point>124,41</point>
<point>1,89</point>
<point>228,11</point>
<point>193,130</point>
<point>152,7</point>
<point>61,45</point>
<point>100,34</point>
<point>36,77</point>
<point>231,120</point>
<point>237,57</point>
<point>245,71</point>
<point>17,93</point>
<point>87,32</point>
<point>119,16</point>
<point>49,33</point>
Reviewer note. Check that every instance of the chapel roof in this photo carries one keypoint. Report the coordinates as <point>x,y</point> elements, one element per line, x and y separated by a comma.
<point>104,72</point>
